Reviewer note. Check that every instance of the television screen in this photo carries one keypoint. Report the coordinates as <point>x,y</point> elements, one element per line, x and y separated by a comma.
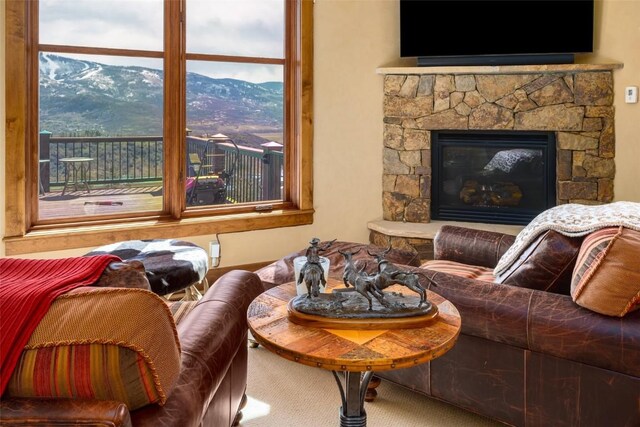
<point>449,28</point>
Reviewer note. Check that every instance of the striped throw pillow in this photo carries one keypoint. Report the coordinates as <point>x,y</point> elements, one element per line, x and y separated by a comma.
<point>101,343</point>
<point>462,270</point>
<point>606,278</point>
<point>181,309</point>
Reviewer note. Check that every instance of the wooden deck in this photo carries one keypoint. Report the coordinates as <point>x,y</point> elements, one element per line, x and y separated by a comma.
<point>100,201</point>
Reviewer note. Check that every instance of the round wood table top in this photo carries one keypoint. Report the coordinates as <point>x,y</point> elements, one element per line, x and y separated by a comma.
<point>350,350</point>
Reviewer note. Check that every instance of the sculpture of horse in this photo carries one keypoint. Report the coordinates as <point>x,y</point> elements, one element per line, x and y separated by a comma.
<point>389,274</point>
<point>361,282</point>
<point>313,275</point>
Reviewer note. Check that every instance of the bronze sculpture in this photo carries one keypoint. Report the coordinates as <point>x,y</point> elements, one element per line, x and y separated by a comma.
<point>361,282</point>
<point>363,295</point>
<point>389,274</point>
<point>312,272</point>
<point>313,275</point>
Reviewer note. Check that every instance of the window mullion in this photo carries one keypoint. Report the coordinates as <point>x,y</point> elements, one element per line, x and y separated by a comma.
<point>290,119</point>
<point>238,59</point>
<point>304,59</point>
<point>33,106</point>
<point>174,125</point>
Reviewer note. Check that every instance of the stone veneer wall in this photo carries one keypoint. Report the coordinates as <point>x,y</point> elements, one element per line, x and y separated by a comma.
<point>576,105</point>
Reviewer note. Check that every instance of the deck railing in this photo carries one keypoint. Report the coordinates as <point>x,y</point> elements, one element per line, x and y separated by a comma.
<point>257,175</point>
<point>254,174</point>
<point>114,159</point>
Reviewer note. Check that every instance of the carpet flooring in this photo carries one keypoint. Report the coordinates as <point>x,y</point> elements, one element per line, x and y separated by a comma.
<point>283,393</point>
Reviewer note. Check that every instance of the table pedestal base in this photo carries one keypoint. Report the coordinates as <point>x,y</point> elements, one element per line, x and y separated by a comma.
<point>359,421</point>
<point>352,392</point>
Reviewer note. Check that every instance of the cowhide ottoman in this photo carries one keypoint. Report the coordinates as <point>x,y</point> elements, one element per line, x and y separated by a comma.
<point>171,265</point>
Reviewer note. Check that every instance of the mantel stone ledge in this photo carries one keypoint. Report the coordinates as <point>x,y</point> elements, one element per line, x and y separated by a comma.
<point>502,69</point>
<point>429,230</point>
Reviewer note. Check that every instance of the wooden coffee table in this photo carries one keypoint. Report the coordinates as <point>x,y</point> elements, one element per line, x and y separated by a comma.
<point>357,353</point>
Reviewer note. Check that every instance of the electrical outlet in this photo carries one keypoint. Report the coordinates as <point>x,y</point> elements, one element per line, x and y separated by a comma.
<point>631,94</point>
<point>214,249</point>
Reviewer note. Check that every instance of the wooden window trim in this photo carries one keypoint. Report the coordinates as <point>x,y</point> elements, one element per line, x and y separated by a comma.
<point>22,236</point>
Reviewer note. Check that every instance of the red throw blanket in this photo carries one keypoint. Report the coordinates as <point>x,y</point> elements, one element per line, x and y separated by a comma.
<point>27,289</point>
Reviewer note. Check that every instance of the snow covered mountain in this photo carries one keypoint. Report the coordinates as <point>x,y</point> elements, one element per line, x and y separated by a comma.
<point>84,97</point>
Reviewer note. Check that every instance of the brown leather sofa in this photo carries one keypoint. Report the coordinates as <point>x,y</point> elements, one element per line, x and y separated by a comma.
<point>524,357</point>
<point>212,380</point>
<point>527,357</point>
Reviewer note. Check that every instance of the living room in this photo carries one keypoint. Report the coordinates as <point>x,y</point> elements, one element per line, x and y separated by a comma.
<point>352,40</point>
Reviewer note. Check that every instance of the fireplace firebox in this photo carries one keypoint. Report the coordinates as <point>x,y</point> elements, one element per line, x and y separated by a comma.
<point>493,177</point>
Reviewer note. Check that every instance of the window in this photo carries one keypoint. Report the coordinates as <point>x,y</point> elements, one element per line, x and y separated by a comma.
<point>128,117</point>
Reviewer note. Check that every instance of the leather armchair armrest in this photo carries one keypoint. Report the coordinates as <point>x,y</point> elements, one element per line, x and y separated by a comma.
<point>469,246</point>
<point>64,412</point>
<point>210,337</point>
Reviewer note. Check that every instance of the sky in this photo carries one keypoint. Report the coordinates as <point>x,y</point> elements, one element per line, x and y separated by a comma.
<point>226,27</point>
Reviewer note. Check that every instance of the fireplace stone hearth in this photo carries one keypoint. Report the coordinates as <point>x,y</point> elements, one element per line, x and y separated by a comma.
<point>573,101</point>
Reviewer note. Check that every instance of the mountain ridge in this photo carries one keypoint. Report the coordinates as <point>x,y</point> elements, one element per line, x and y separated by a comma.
<point>82,97</point>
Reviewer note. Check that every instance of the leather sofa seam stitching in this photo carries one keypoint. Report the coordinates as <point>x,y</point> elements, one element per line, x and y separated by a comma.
<point>529,320</point>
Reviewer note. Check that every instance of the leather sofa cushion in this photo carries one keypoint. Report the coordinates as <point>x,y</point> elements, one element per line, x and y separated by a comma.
<point>469,246</point>
<point>606,278</point>
<point>462,270</point>
<point>101,343</point>
<point>546,265</point>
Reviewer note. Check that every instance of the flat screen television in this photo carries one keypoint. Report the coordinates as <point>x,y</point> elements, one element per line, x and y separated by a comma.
<point>490,32</point>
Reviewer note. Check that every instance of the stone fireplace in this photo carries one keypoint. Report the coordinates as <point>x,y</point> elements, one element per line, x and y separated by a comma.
<point>573,102</point>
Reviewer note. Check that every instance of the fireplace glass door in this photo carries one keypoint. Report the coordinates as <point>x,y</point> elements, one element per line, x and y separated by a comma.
<point>493,177</point>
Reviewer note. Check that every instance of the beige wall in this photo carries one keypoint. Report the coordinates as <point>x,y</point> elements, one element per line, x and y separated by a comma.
<point>618,38</point>
<point>352,38</point>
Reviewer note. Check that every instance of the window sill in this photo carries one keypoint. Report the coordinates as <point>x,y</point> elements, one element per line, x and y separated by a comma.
<point>97,235</point>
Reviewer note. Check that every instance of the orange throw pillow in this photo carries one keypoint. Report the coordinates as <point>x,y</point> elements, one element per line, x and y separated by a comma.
<point>606,278</point>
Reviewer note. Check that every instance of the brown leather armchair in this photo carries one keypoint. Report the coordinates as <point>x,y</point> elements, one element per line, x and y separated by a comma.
<point>212,380</point>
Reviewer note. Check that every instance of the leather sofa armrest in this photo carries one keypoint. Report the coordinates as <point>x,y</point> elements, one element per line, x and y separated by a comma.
<point>469,246</point>
<point>63,412</point>
<point>210,336</point>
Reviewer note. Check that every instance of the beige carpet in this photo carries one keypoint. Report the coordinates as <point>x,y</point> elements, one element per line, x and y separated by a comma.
<point>283,394</point>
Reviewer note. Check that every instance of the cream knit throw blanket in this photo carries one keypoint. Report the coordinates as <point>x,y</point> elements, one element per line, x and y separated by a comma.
<point>571,220</point>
